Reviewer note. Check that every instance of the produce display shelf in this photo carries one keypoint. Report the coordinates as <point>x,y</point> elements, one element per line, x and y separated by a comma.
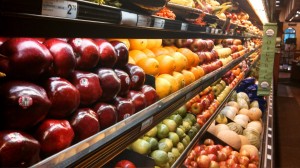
<point>204,128</point>
<point>102,147</point>
<point>84,19</point>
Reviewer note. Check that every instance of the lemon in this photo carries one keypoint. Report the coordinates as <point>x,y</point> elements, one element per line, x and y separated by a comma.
<point>171,124</point>
<point>180,133</point>
<point>192,117</point>
<point>187,125</point>
<point>180,147</point>
<point>153,142</point>
<point>141,146</point>
<point>162,131</point>
<point>171,157</point>
<point>152,132</point>
<point>174,138</point>
<point>165,144</point>
<point>160,157</point>
<point>177,118</point>
<point>186,140</point>
<point>175,152</point>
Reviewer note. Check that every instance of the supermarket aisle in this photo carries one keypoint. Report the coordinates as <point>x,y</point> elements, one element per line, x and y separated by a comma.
<point>287,137</point>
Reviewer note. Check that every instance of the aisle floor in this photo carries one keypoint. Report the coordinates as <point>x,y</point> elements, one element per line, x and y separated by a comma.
<point>287,126</point>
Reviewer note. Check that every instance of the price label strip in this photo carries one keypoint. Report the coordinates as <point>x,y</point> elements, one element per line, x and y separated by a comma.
<point>159,23</point>
<point>128,18</point>
<point>184,26</point>
<point>60,8</point>
<point>143,21</point>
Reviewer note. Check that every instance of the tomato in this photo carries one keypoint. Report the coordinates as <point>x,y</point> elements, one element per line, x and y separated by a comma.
<point>125,164</point>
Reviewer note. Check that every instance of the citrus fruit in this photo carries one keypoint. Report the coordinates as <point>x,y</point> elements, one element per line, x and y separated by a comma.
<point>151,43</point>
<point>167,64</point>
<point>172,158</point>
<point>158,42</point>
<point>172,80</point>
<point>165,144</point>
<point>163,87</point>
<point>187,124</point>
<point>189,55</point>
<point>196,59</point>
<point>177,118</point>
<point>148,52</point>
<point>125,41</point>
<point>189,77</point>
<point>197,72</point>
<point>170,49</point>
<point>201,71</point>
<point>181,111</point>
<point>138,44</point>
<point>162,131</point>
<point>160,157</point>
<point>191,117</point>
<point>149,65</point>
<point>180,147</point>
<point>171,124</point>
<point>152,132</point>
<point>141,146</point>
<point>137,55</point>
<point>174,138</point>
<point>175,152</point>
<point>159,51</point>
<point>180,61</point>
<point>131,60</point>
<point>180,79</point>
<point>180,132</point>
<point>152,141</point>
<point>186,140</point>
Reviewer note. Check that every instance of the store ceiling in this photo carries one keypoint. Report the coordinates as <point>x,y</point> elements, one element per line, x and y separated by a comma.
<point>287,10</point>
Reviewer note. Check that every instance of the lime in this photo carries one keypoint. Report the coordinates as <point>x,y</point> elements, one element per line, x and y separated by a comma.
<point>180,147</point>
<point>152,132</point>
<point>171,124</point>
<point>186,140</point>
<point>192,132</point>
<point>180,133</point>
<point>172,158</point>
<point>175,152</point>
<point>165,144</point>
<point>192,117</point>
<point>160,157</point>
<point>153,142</point>
<point>198,126</point>
<point>141,146</point>
<point>177,118</point>
<point>162,131</point>
<point>188,120</point>
<point>181,111</point>
<point>174,138</point>
<point>186,125</point>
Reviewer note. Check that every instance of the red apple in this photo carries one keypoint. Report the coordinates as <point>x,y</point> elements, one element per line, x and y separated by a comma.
<point>125,82</point>
<point>212,149</point>
<point>64,96</point>
<point>244,160</point>
<point>64,60</point>
<point>203,161</point>
<point>23,104</point>
<point>212,157</point>
<point>54,136</point>
<point>125,107</point>
<point>198,45</point>
<point>110,83</point>
<point>107,53</point>
<point>137,76</point>
<point>18,149</point>
<point>2,40</point>
<point>180,43</point>
<point>196,108</point>
<point>138,99</point>
<point>210,45</point>
<point>85,123</point>
<point>234,157</point>
<point>122,53</point>
<point>222,156</point>
<point>209,57</point>
<point>24,58</point>
<point>88,85</point>
<point>209,142</point>
<point>150,94</point>
<point>107,114</point>
<point>214,164</point>
<point>125,164</point>
<point>87,53</point>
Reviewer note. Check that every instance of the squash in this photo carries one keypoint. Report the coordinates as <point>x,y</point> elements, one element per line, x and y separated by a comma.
<point>244,111</point>
<point>241,122</point>
<point>254,114</point>
<point>231,138</point>
<point>250,131</point>
<point>234,104</point>
<point>235,127</point>
<point>244,140</point>
<point>220,128</point>
<point>254,104</point>
<point>242,103</point>
<point>252,150</point>
<point>255,125</point>
<point>229,112</point>
<point>212,128</point>
<point>243,95</point>
<point>254,140</point>
<point>242,117</point>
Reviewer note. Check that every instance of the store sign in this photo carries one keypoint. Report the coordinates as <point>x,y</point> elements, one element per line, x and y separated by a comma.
<point>267,59</point>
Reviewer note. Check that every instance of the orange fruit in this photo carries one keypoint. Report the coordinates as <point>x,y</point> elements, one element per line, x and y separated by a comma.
<point>149,65</point>
<point>149,53</point>
<point>167,64</point>
<point>172,80</point>
<point>158,42</point>
<point>131,60</point>
<point>170,49</point>
<point>137,55</point>
<point>189,77</point>
<point>138,44</point>
<point>197,59</point>
<point>180,61</point>
<point>189,55</point>
<point>180,78</point>
<point>197,72</point>
<point>151,43</point>
<point>163,87</point>
<point>125,41</point>
<point>201,70</point>
<point>159,51</point>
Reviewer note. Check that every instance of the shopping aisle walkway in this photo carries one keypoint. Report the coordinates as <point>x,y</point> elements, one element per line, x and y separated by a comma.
<point>287,123</point>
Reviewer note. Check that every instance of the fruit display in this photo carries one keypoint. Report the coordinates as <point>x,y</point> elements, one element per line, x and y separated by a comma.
<point>73,89</point>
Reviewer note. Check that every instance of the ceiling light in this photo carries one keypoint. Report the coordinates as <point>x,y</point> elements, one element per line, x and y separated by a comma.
<point>296,15</point>
<point>277,5</point>
<point>298,12</point>
<point>277,1</point>
<point>259,8</point>
<point>291,19</point>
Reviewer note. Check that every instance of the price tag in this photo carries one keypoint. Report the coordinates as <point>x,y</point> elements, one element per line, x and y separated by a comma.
<point>60,8</point>
<point>184,26</point>
<point>143,21</point>
<point>147,123</point>
<point>159,23</point>
<point>128,18</point>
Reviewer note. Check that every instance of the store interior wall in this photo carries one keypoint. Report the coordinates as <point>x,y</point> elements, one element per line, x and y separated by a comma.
<point>296,26</point>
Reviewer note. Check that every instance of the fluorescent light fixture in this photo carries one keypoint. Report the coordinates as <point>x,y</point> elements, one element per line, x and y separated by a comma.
<point>298,12</point>
<point>291,19</point>
<point>259,8</point>
<point>277,5</point>
<point>296,15</point>
<point>277,1</point>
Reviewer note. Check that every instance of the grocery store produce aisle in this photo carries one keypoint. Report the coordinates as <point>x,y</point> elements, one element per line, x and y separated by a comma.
<point>287,136</point>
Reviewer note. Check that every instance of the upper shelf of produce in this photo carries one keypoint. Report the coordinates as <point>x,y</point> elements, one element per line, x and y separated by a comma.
<point>84,19</point>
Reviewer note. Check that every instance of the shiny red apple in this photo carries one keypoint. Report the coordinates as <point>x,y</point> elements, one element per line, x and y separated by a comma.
<point>23,104</point>
<point>3,39</point>
<point>125,82</point>
<point>107,114</point>
<point>64,96</point>
<point>107,53</point>
<point>125,107</point>
<point>88,85</point>
<point>85,123</point>
<point>138,99</point>
<point>137,76</point>
<point>24,58</point>
<point>18,149</point>
<point>150,94</point>
<point>122,53</point>
<point>87,53</point>
<point>64,61</point>
<point>54,136</point>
